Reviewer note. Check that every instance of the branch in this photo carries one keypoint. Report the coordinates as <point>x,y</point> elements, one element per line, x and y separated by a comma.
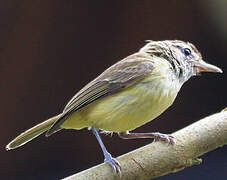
<point>157,159</point>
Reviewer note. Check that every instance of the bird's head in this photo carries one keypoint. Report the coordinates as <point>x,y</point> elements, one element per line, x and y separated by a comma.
<point>184,57</point>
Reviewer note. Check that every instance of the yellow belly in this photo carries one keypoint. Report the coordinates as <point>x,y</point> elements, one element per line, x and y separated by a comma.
<point>127,109</point>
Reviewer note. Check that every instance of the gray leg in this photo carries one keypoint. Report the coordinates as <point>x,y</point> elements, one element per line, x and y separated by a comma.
<point>108,158</point>
<point>156,136</point>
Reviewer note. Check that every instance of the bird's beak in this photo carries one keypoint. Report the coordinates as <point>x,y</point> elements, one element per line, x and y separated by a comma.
<point>205,67</point>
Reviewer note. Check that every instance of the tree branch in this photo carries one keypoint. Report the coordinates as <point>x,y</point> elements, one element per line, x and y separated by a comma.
<point>157,159</point>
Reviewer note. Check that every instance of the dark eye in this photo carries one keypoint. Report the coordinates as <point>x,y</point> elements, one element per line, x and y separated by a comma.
<point>187,51</point>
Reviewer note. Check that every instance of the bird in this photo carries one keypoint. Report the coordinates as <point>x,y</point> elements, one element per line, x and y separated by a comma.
<point>127,95</point>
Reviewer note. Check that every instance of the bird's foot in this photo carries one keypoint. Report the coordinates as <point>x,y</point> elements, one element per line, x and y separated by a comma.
<point>113,163</point>
<point>164,137</point>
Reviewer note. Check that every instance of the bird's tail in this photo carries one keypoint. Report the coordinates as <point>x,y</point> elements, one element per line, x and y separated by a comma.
<point>31,133</point>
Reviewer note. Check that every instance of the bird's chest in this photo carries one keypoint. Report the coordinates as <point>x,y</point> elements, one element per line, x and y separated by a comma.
<point>136,106</point>
<point>153,99</point>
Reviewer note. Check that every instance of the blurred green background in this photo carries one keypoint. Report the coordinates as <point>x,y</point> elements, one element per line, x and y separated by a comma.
<point>50,49</point>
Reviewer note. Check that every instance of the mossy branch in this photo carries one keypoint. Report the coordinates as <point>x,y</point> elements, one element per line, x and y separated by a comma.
<point>157,159</point>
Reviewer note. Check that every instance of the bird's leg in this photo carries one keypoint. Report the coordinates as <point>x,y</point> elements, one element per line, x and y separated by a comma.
<point>156,136</point>
<point>108,158</point>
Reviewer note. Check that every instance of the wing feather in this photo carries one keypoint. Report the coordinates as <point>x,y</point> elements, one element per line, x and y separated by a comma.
<point>117,77</point>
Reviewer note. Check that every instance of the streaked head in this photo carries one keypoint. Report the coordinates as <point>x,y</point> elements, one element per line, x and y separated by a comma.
<point>184,57</point>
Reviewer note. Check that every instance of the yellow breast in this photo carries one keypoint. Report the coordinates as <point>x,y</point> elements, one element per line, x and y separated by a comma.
<point>129,108</point>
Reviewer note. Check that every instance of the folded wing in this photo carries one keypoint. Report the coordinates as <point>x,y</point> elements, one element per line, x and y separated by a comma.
<point>119,76</point>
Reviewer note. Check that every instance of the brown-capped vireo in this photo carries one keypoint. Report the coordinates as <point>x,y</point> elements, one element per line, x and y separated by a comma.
<point>127,95</point>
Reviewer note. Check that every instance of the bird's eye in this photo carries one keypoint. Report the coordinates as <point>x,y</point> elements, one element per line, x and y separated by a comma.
<point>187,51</point>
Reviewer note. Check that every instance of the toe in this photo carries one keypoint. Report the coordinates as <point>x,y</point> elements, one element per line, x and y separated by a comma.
<point>115,165</point>
<point>172,140</point>
<point>164,137</point>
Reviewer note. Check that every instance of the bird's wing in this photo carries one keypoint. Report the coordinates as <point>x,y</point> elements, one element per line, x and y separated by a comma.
<point>119,76</point>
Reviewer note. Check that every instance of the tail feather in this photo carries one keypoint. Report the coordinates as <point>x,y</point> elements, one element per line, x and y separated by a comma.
<point>32,133</point>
